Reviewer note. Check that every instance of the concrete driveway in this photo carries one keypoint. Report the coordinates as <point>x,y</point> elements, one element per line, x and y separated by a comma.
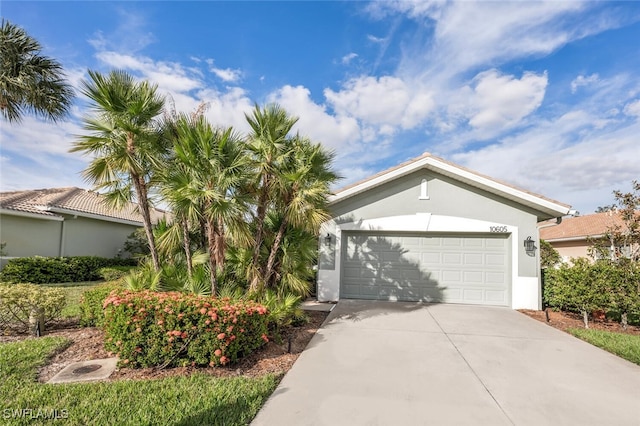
<point>383,363</point>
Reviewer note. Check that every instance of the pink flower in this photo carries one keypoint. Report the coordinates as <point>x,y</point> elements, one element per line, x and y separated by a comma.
<point>221,336</point>
<point>217,352</point>
<point>203,311</point>
<point>160,322</point>
<point>224,360</point>
<point>264,337</point>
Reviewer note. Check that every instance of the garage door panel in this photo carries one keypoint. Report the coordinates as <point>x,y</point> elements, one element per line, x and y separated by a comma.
<point>452,259</point>
<point>473,277</point>
<point>450,269</point>
<point>497,259</point>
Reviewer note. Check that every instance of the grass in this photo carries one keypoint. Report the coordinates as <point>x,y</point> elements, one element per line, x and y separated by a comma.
<point>190,400</point>
<point>74,292</point>
<point>626,346</point>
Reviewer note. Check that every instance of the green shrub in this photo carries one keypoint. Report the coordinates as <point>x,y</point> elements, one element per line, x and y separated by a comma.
<point>148,328</point>
<point>46,270</point>
<point>91,306</point>
<point>17,301</point>
<point>586,287</point>
<point>113,273</point>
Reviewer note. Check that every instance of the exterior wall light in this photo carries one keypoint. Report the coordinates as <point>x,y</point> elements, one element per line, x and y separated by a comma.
<point>530,246</point>
<point>327,239</point>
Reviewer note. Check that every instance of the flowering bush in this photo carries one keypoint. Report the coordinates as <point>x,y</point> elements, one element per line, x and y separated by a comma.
<point>147,328</point>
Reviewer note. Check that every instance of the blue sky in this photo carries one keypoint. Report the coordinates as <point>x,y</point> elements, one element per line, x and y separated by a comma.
<point>545,96</point>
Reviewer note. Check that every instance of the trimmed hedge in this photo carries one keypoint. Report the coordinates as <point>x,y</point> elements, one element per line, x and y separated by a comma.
<point>47,270</point>
<point>91,306</point>
<point>164,329</point>
<point>18,300</point>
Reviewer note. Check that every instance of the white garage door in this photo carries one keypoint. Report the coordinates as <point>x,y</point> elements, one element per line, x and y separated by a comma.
<point>448,269</point>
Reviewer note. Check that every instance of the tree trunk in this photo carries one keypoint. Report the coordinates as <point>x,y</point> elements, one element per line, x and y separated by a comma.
<point>624,320</point>
<point>261,213</point>
<point>274,251</point>
<point>220,247</point>
<point>211,243</point>
<point>36,321</point>
<point>143,204</point>
<point>186,243</point>
<point>585,318</point>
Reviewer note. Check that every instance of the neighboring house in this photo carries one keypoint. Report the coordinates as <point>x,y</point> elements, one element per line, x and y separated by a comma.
<point>430,230</point>
<point>64,222</point>
<point>571,238</point>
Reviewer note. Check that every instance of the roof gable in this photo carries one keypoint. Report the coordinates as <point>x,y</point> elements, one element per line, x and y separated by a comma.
<point>53,202</point>
<point>546,207</point>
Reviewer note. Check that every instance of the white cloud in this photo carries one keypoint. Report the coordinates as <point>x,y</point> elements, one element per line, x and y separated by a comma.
<point>227,108</point>
<point>566,158</point>
<point>375,39</point>
<point>169,76</point>
<point>130,34</point>
<point>334,131</point>
<point>582,80</point>
<point>227,75</point>
<point>346,59</point>
<point>633,108</point>
<point>502,101</point>
<point>35,154</point>
<point>381,101</point>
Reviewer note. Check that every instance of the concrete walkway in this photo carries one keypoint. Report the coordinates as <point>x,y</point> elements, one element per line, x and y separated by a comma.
<point>381,363</point>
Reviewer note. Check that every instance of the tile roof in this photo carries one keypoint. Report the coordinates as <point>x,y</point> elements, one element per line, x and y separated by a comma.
<point>591,225</point>
<point>46,201</point>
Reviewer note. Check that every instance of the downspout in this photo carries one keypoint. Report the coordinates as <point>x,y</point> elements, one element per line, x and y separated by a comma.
<point>62,238</point>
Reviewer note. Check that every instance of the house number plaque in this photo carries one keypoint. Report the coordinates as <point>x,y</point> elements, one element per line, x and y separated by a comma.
<point>498,229</point>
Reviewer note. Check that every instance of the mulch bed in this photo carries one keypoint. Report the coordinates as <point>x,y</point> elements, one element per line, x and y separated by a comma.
<point>566,320</point>
<point>88,343</point>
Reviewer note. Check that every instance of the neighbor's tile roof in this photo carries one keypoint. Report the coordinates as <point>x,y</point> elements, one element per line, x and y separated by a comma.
<point>42,201</point>
<point>582,226</point>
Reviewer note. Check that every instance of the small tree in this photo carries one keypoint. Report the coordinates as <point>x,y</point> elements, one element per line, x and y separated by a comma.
<point>549,257</point>
<point>621,246</point>
<point>575,287</point>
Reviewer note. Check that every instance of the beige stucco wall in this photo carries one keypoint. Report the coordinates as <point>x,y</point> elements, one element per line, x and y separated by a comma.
<point>91,237</point>
<point>571,249</point>
<point>75,236</point>
<point>27,236</point>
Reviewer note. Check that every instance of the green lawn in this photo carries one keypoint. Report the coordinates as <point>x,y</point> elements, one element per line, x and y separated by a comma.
<point>626,346</point>
<point>192,400</point>
<point>74,292</point>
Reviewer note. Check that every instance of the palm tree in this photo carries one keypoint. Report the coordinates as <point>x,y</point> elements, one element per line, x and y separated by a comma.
<point>124,140</point>
<point>301,197</point>
<point>268,144</point>
<point>202,186</point>
<point>30,81</point>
